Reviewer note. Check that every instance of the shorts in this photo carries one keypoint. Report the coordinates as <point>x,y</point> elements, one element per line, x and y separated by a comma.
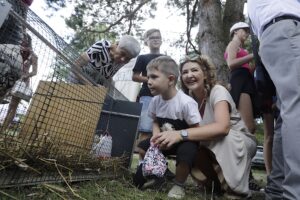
<point>242,81</point>
<point>146,122</point>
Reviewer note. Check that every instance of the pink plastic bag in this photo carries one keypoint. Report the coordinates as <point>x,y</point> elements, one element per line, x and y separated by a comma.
<point>154,163</point>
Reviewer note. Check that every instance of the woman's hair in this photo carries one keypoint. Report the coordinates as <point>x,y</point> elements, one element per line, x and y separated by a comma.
<point>208,68</point>
<point>166,65</point>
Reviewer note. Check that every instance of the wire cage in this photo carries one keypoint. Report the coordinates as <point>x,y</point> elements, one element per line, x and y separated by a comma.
<point>50,130</point>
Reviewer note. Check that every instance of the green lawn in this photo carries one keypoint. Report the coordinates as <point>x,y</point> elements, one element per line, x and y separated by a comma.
<point>101,189</point>
<point>108,189</point>
<point>117,189</point>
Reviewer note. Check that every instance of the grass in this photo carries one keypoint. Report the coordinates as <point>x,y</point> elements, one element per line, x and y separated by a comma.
<point>117,189</point>
<point>259,133</point>
<point>102,189</point>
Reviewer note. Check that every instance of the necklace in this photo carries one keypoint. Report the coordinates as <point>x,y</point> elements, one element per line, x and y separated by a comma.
<point>201,108</point>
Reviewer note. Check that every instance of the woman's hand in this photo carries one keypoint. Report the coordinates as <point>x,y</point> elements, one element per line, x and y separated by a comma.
<point>166,139</point>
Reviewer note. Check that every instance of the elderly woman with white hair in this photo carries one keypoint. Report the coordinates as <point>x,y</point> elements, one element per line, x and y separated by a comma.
<point>242,85</point>
<point>106,58</point>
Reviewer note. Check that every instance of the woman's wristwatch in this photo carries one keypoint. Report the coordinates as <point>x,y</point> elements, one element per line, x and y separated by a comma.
<point>184,134</point>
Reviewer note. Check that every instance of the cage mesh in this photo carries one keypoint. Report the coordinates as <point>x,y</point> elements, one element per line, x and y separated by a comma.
<point>54,130</point>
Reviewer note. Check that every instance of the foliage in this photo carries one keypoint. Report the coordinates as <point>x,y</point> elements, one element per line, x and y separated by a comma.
<point>259,133</point>
<point>189,9</point>
<point>108,19</point>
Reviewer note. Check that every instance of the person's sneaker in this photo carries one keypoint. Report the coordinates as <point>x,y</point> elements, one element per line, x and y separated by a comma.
<point>176,192</point>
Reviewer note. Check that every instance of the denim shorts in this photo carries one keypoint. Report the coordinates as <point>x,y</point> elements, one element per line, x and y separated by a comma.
<point>146,122</point>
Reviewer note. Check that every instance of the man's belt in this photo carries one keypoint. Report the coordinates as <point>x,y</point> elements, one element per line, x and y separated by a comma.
<point>277,19</point>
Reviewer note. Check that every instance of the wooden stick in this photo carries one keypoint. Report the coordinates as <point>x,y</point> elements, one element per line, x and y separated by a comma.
<point>8,195</point>
<point>73,192</point>
<point>49,188</point>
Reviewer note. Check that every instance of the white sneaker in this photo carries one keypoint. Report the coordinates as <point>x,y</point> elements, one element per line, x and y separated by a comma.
<point>176,192</point>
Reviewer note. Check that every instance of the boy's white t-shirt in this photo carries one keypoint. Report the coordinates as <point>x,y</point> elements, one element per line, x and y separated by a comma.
<point>181,111</point>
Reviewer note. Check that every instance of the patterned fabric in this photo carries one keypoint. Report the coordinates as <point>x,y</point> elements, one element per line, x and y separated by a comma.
<point>155,162</point>
<point>101,60</point>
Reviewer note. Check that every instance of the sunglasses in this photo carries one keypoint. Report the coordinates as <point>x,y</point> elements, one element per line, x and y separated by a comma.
<point>190,57</point>
<point>247,30</point>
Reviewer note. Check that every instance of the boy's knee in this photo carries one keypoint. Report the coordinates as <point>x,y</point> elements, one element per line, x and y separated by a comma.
<point>144,136</point>
<point>141,152</point>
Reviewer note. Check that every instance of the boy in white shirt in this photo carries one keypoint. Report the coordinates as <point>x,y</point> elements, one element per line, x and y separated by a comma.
<point>172,109</point>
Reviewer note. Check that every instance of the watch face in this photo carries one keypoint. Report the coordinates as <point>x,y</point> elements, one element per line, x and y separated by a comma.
<point>184,133</point>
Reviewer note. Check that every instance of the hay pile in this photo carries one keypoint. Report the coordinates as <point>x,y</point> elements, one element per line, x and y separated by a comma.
<point>44,154</point>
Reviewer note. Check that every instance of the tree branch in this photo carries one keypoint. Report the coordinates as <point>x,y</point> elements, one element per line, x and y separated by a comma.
<point>130,22</point>
<point>129,16</point>
<point>190,22</point>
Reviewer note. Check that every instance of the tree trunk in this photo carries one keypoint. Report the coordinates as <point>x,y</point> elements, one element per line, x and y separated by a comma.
<point>233,13</point>
<point>211,36</point>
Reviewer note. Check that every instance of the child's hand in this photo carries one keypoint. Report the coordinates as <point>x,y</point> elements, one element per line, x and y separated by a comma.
<point>154,138</point>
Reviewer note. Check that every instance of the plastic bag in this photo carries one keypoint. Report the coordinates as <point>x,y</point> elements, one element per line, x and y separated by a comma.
<point>103,148</point>
<point>21,90</point>
<point>154,163</point>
